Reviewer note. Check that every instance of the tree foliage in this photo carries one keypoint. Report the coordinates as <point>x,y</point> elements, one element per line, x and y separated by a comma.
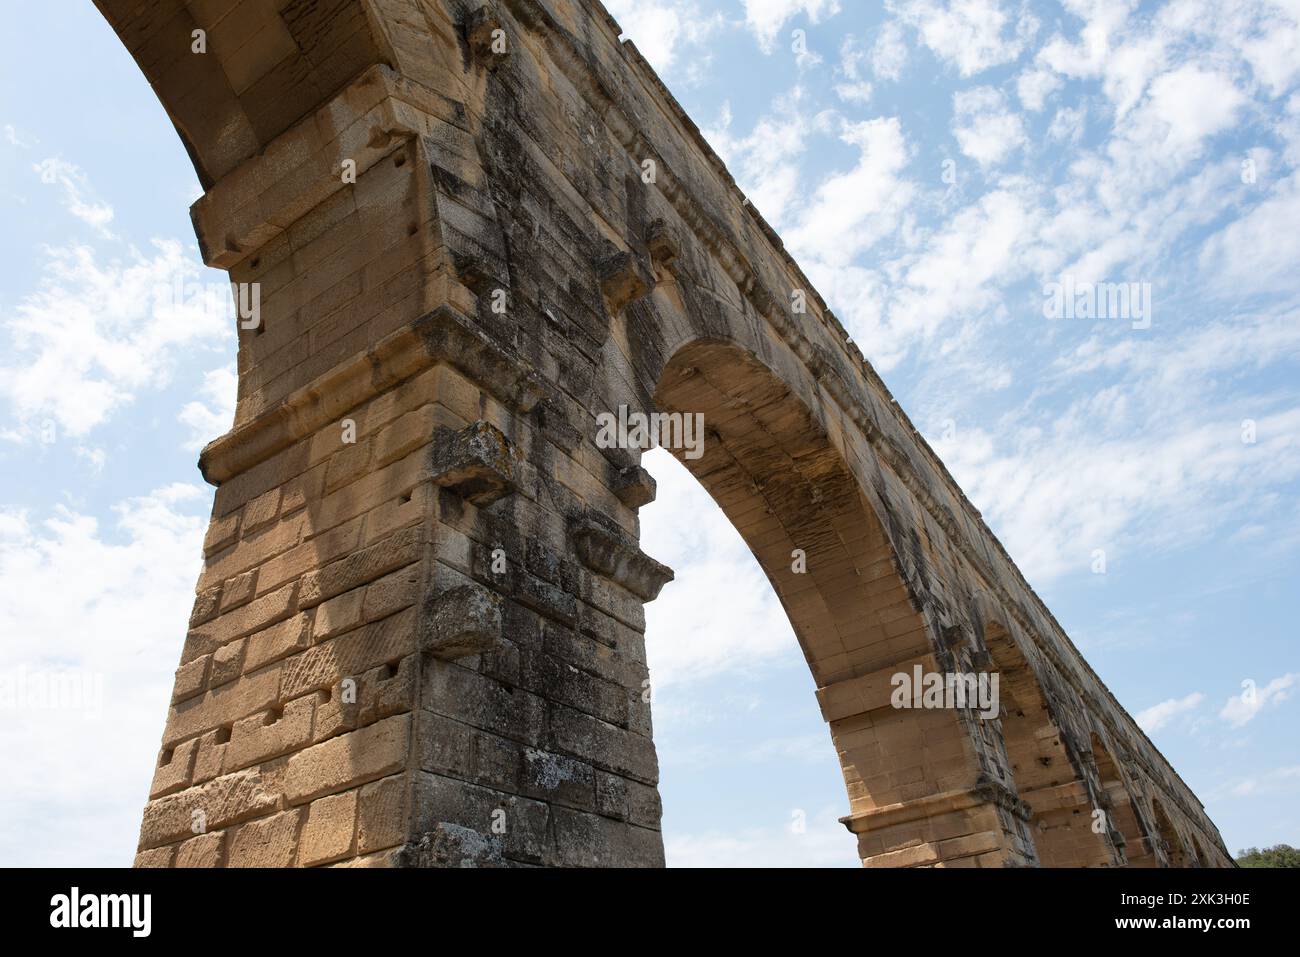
<point>1283,855</point>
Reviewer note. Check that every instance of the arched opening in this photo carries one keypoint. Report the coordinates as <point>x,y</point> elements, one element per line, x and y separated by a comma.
<point>1175,849</point>
<point>774,470</point>
<point>1199,853</point>
<point>1063,824</point>
<point>1120,810</point>
<point>748,776</point>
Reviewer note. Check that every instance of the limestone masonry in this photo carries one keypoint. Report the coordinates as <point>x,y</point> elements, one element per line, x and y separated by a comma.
<point>418,637</point>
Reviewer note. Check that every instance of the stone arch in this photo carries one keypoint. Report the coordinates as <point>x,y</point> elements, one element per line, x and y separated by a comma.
<point>260,71</point>
<point>1171,841</point>
<point>1198,853</point>
<point>769,462</point>
<point>1121,809</point>
<point>1049,769</point>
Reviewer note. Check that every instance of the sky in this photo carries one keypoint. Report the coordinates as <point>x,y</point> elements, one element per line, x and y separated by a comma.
<point>941,171</point>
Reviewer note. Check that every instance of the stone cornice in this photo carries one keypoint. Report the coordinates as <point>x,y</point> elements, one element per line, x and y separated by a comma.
<point>303,167</point>
<point>440,337</point>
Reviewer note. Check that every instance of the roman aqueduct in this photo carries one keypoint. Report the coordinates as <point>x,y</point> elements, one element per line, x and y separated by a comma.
<point>418,637</point>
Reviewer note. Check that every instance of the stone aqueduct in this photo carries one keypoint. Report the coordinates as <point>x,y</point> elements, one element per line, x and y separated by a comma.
<point>425,646</point>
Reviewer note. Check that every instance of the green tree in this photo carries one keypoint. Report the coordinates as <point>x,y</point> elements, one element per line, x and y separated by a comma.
<point>1283,855</point>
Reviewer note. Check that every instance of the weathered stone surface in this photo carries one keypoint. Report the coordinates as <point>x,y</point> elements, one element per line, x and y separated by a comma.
<point>478,463</point>
<point>175,768</point>
<point>536,237</point>
<point>461,621</point>
<point>614,556</point>
<point>269,842</point>
<point>383,814</point>
<point>363,566</point>
<point>623,279</point>
<point>352,759</point>
<point>206,850</point>
<point>634,486</point>
<point>257,614</point>
<point>276,642</point>
<point>218,804</point>
<point>328,833</point>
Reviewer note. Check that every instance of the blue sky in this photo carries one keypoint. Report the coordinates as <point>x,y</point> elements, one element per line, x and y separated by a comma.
<point>933,167</point>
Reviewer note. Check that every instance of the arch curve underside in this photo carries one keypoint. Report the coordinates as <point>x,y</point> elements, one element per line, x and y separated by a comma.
<point>418,635</point>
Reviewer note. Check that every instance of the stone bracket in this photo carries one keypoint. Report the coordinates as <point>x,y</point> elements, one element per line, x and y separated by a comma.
<point>634,486</point>
<point>662,243</point>
<point>623,280</point>
<point>478,463</point>
<point>615,556</point>
<point>461,621</point>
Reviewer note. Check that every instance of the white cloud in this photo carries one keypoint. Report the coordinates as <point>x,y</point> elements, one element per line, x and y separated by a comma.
<point>889,54</point>
<point>1057,491</point>
<point>700,636</point>
<point>850,211</point>
<point>1035,86</point>
<point>986,129</point>
<point>1068,124</point>
<point>76,190</point>
<point>211,416</point>
<point>93,457</point>
<point>1154,718</point>
<point>822,842</point>
<point>1260,251</point>
<point>1276,781</point>
<point>959,271</point>
<point>16,138</point>
<point>107,610</point>
<point>94,334</point>
<point>766,18</point>
<point>1234,345</point>
<point>664,29</point>
<point>859,92</point>
<point>1087,56</point>
<point>1274,52</point>
<point>853,87</point>
<point>973,35</point>
<point>1149,458</point>
<point>1241,709</point>
<point>1184,107</point>
<point>765,162</point>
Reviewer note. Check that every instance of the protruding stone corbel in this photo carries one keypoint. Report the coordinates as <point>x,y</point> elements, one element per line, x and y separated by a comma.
<point>381,137</point>
<point>995,792</point>
<point>634,486</point>
<point>615,556</point>
<point>474,272</point>
<point>478,463</point>
<point>661,241</point>
<point>461,621</point>
<point>623,280</point>
<point>488,42</point>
